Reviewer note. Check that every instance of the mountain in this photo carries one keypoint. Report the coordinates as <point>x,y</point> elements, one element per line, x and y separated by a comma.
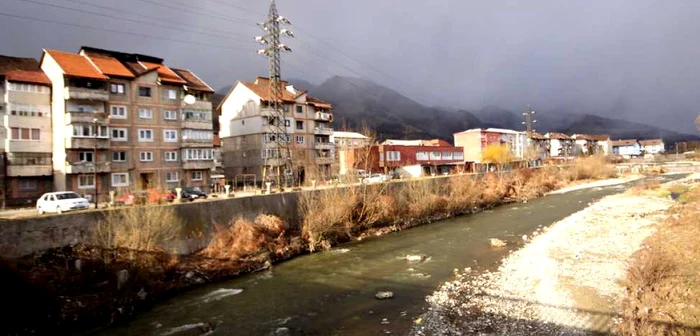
<point>392,115</point>
<point>301,85</point>
<point>623,129</point>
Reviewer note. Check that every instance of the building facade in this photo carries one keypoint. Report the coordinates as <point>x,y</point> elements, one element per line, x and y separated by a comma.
<point>349,148</point>
<point>627,148</point>
<point>25,135</point>
<point>560,144</point>
<point>121,122</point>
<point>475,141</point>
<point>603,144</point>
<point>415,158</point>
<point>250,129</point>
<point>653,146</point>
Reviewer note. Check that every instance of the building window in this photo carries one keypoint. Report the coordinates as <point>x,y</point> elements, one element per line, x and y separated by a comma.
<point>146,156</point>
<point>26,110</point>
<point>87,131</point>
<point>120,179</point>
<point>86,181</point>
<point>85,156</point>
<point>393,156</point>
<point>169,135</point>
<point>22,87</point>
<point>422,156</point>
<point>170,94</point>
<point>287,122</point>
<point>300,109</point>
<point>172,177</point>
<point>300,125</point>
<point>145,135</point>
<point>197,135</point>
<point>196,176</point>
<point>144,91</point>
<point>196,115</point>
<point>169,115</point>
<point>458,156</point>
<point>18,133</point>
<point>300,139</point>
<point>28,185</point>
<point>116,88</point>
<point>119,156</point>
<point>145,113</point>
<point>119,134</point>
<point>435,155</point>
<point>171,156</point>
<point>447,155</point>
<point>197,154</point>
<point>270,153</point>
<point>272,137</point>
<point>118,112</point>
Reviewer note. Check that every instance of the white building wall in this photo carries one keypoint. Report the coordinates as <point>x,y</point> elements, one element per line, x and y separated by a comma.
<point>554,147</point>
<point>58,111</point>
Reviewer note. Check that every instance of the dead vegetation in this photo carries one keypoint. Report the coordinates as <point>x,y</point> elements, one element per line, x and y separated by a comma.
<point>591,167</point>
<point>243,238</point>
<point>663,279</point>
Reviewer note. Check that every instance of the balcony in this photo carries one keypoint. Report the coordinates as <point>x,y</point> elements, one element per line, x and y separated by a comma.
<point>323,116</point>
<point>86,143</point>
<point>198,164</point>
<point>74,117</point>
<point>72,92</point>
<point>325,160</point>
<point>324,145</point>
<point>29,170</point>
<point>198,143</point>
<point>198,105</point>
<point>87,167</point>
<point>197,124</point>
<point>323,131</point>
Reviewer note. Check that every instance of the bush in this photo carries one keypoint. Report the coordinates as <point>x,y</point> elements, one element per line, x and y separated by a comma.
<point>244,238</point>
<point>327,216</point>
<point>464,195</point>
<point>591,167</point>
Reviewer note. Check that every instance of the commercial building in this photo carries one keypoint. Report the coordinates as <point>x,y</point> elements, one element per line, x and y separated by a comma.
<point>25,132</point>
<point>475,141</point>
<point>415,158</point>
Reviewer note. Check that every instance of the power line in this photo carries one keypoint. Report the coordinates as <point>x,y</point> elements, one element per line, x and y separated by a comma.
<point>186,8</point>
<point>119,32</point>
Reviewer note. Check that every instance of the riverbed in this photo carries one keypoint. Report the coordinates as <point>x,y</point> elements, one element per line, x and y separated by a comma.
<point>334,292</point>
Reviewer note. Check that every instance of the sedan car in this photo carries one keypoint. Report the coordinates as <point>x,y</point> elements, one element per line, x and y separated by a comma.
<point>376,178</point>
<point>61,201</point>
<point>193,193</point>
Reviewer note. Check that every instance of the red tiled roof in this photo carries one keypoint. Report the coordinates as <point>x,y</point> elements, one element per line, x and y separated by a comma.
<point>600,137</point>
<point>555,135</point>
<point>263,91</point>
<point>537,136</point>
<point>193,81</point>
<point>582,137</point>
<point>166,75</point>
<point>651,142</point>
<point>111,66</point>
<point>20,69</point>
<point>318,103</point>
<point>628,142</point>
<point>75,65</point>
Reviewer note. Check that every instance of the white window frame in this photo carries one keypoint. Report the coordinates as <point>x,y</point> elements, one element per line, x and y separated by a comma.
<point>197,154</point>
<point>122,115</point>
<point>120,184</point>
<point>195,173</point>
<point>170,94</point>
<point>145,113</point>
<point>88,178</point>
<point>171,179</point>
<point>146,139</point>
<point>120,88</point>
<point>27,185</point>
<point>84,156</point>
<point>19,134</point>
<point>170,156</point>
<point>124,138</point>
<point>169,139</point>
<point>150,91</point>
<point>167,112</point>
<point>393,156</point>
<point>119,159</point>
<point>146,156</point>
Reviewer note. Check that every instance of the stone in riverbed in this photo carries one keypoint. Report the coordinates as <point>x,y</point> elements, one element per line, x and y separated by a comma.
<point>384,295</point>
<point>494,242</point>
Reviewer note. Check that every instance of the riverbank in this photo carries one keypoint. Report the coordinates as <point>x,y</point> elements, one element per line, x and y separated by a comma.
<point>565,281</point>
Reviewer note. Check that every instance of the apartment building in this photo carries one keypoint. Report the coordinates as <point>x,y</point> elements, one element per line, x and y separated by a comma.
<point>475,141</point>
<point>25,132</point>
<point>415,158</point>
<point>121,122</point>
<point>248,132</point>
<point>349,149</point>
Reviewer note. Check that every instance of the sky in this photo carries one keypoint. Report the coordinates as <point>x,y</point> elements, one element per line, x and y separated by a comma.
<point>628,59</point>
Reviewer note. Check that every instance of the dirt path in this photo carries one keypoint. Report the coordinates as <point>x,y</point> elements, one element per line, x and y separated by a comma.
<point>563,282</point>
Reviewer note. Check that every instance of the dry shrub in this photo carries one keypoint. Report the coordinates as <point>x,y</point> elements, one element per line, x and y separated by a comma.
<point>494,188</point>
<point>327,216</point>
<point>423,198</point>
<point>244,238</point>
<point>591,167</point>
<point>380,209</point>
<point>138,228</point>
<point>464,195</point>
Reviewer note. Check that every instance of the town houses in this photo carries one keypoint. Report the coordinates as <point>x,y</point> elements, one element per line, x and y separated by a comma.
<point>104,123</point>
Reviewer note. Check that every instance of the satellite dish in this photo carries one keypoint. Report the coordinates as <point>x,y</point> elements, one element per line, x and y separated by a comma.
<point>189,99</point>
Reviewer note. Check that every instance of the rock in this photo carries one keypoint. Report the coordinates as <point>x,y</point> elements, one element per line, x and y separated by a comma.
<point>189,275</point>
<point>417,257</point>
<point>467,270</point>
<point>497,242</point>
<point>282,331</point>
<point>142,294</point>
<point>524,237</point>
<point>122,277</point>
<point>384,295</point>
<point>78,265</point>
<point>385,321</point>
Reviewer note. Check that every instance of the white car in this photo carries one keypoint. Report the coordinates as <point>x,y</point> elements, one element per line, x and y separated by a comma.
<point>375,178</point>
<point>61,201</point>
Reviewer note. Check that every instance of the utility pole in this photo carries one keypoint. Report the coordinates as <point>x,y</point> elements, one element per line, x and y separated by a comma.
<point>529,120</point>
<point>278,125</point>
<point>94,158</point>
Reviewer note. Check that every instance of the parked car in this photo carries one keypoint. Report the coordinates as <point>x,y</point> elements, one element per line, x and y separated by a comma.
<point>125,199</point>
<point>61,201</point>
<point>193,193</point>
<point>376,178</point>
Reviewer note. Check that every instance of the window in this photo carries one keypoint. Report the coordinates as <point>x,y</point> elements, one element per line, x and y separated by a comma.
<point>300,125</point>
<point>300,139</point>
<point>272,137</point>
<point>196,115</point>
<point>170,156</point>
<point>243,122</point>
<point>145,135</point>
<point>119,156</point>
<point>169,115</point>
<point>197,135</point>
<point>169,135</point>
<point>300,109</point>
<point>22,87</point>
<point>422,156</point>
<point>120,179</point>
<point>447,155</point>
<point>170,94</point>
<point>29,159</point>
<point>27,110</point>
<point>18,133</point>
<point>85,156</point>
<point>458,155</point>
<point>196,176</point>
<point>87,131</point>
<point>145,113</point>
<point>287,122</point>
<point>435,155</point>
<point>118,112</point>
<point>86,181</point>
<point>172,177</point>
<point>27,185</point>
<point>393,156</point>
<point>146,156</point>
<point>270,153</point>
<point>144,91</point>
<point>119,134</point>
<point>197,154</point>
<point>116,88</point>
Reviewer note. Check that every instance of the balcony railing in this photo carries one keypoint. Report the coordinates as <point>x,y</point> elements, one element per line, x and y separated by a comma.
<point>87,167</point>
<point>323,116</point>
<point>323,131</point>
<point>198,164</point>
<point>325,160</point>
<point>72,92</point>
<point>73,117</point>
<point>87,143</point>
<point>29,170</point>
<point>324,145</point>
<point>197,124</point>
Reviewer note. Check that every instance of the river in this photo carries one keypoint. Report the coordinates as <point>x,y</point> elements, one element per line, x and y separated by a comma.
<point>332,293</point>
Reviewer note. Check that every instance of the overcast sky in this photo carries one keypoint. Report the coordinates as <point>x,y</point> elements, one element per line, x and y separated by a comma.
<point>634,59</point>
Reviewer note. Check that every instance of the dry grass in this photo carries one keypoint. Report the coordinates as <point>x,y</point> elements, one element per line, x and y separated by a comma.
<point>144,229</point>
<point>591,167</point>
<point>423,198</point>
<point>327,216</point>
<point>663,280</point>
<point>244,238</point>
<point>464,196</point>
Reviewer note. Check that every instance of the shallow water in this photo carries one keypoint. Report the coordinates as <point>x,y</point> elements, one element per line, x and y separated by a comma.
<point>333,292</point>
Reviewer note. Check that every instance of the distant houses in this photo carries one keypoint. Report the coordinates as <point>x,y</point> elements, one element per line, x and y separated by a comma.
<point>652,146</point>
<point>627,148</point>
